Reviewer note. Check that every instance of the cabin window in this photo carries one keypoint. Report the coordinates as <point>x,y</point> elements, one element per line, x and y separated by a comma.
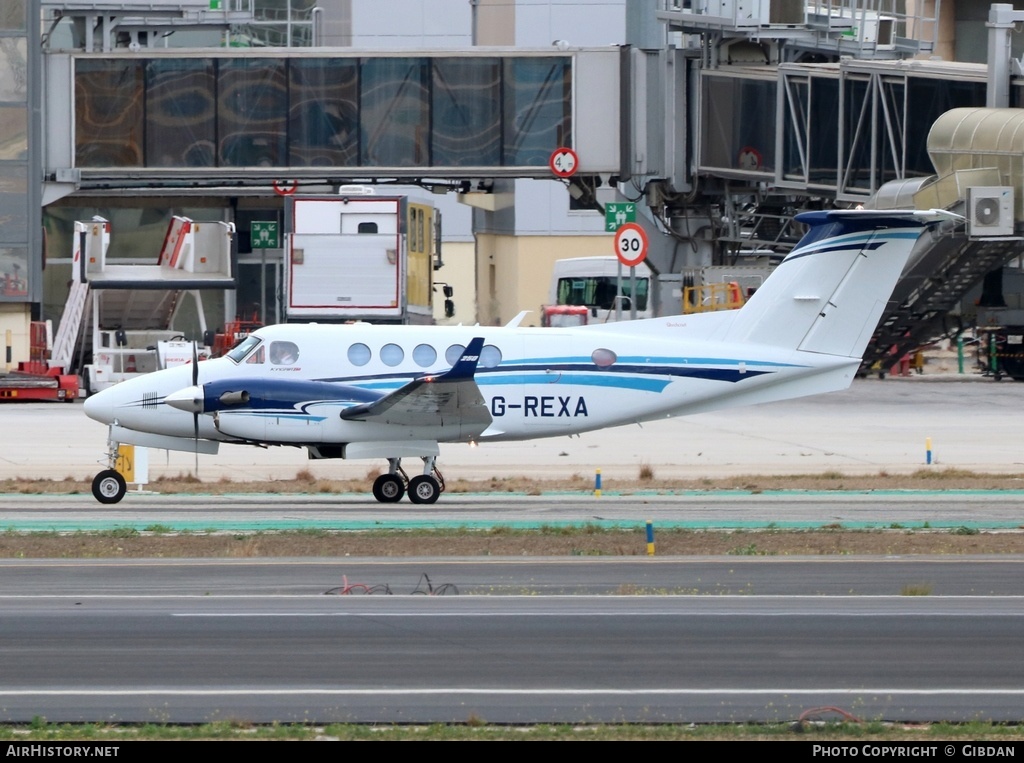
<point>243,348</point>
<point>392,354</point>
<point>284,353</point>
<point>424,355</point>
<point>453,353</point>
<point>490,356</point>
<point>359,354</point>
<point>603,358</point>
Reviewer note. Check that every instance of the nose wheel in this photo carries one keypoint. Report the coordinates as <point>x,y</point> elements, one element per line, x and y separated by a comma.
<point>109,486</point>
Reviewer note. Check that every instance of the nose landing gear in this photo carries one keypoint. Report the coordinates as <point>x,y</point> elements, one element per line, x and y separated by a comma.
<point>109,486</point>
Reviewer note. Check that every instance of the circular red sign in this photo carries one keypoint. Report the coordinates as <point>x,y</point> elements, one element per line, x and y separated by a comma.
<point>563,162</point>
<point>630,244</point>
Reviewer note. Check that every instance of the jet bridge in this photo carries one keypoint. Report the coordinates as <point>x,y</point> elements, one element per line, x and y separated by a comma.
<point>173,119</point>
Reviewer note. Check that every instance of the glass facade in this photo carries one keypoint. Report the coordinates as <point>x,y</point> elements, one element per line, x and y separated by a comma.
<point>874,149</point>
<point>165,112</point>
<point>738,124</point>
<point>252,114</point>
<point>810,153</point>
<point>17,205</point>
<point>537,94</point>
<point>323,112</point>
<point>466,103</point>
<point>181,114</point>
<point>108,113</point>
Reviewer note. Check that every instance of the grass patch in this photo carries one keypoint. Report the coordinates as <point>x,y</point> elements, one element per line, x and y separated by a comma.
<point>122,532</point>
<point>750,549</point>
<point>500,540</point>
<point>964,530</point>
<point>916,589</point>
<point>305,482</point>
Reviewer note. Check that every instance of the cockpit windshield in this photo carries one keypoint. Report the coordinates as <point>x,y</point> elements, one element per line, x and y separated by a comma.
<point>240,350</point>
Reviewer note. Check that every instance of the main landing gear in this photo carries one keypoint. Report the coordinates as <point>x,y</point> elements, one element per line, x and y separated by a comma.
<point>423,488</point>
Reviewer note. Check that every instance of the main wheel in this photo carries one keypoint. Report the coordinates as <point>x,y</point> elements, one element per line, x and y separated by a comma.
<point>109,486</point>
<point>388,488</point>
<point>424,489</point>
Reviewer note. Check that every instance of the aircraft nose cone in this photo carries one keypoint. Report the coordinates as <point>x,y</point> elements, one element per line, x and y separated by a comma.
<point>99,407</point>
<point>189,399</point>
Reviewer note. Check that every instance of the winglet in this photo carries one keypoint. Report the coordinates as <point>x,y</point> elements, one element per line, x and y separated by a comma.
<point>465,366</point>
<point>518,319</point>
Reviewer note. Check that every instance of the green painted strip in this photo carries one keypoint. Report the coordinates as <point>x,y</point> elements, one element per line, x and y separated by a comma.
<point>202,527</point>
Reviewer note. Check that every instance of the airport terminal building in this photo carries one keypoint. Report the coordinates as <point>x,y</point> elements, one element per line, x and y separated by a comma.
<point>720,126</point>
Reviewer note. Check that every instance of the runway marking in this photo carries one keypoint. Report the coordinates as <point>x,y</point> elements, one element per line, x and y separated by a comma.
<point>467,691</point>
<point>338,562</point>
<point>407,597</point>
<point>615,613</point>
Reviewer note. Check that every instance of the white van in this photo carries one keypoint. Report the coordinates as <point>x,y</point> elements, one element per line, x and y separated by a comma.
<point>592,282</point>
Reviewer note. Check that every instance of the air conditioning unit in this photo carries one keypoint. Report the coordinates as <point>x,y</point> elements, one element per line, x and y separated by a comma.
<point>990,211</point>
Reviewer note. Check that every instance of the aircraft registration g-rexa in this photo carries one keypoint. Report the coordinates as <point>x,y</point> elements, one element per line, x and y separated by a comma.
<point>393,392</point>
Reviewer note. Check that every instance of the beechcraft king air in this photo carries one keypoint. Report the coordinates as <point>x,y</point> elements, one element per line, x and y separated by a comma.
<point>394,392</point>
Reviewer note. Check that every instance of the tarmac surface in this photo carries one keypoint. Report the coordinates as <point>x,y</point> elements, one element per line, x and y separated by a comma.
<point>973,423</point>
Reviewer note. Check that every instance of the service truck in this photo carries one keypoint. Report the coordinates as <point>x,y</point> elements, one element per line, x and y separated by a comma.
<point>359,257</point>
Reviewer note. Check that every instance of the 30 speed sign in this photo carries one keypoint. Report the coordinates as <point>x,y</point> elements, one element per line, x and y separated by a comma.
<point>630,244</point>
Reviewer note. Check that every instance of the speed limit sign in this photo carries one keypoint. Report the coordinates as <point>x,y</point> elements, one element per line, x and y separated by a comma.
<point>630,244</point>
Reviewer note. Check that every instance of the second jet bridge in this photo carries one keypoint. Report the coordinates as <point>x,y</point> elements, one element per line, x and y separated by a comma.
<point>979,155</point>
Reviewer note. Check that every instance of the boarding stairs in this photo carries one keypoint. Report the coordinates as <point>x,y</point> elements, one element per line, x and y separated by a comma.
<point>934,284</point>
<point>70,326</point>
<point>138,309</point>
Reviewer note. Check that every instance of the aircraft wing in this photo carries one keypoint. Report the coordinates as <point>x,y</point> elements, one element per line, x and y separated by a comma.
<point>449,399</point>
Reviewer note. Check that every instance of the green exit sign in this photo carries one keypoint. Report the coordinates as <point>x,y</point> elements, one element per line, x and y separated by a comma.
<point>618,213</point>
<point>264,235</point>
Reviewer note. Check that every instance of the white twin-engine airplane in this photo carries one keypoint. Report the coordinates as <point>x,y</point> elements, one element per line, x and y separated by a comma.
<point>364,391</point>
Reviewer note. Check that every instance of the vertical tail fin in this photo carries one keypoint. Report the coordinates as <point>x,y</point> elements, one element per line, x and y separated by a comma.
<point>829,293</point>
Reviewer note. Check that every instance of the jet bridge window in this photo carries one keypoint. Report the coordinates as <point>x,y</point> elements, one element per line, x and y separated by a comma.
<point>284,353</point>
